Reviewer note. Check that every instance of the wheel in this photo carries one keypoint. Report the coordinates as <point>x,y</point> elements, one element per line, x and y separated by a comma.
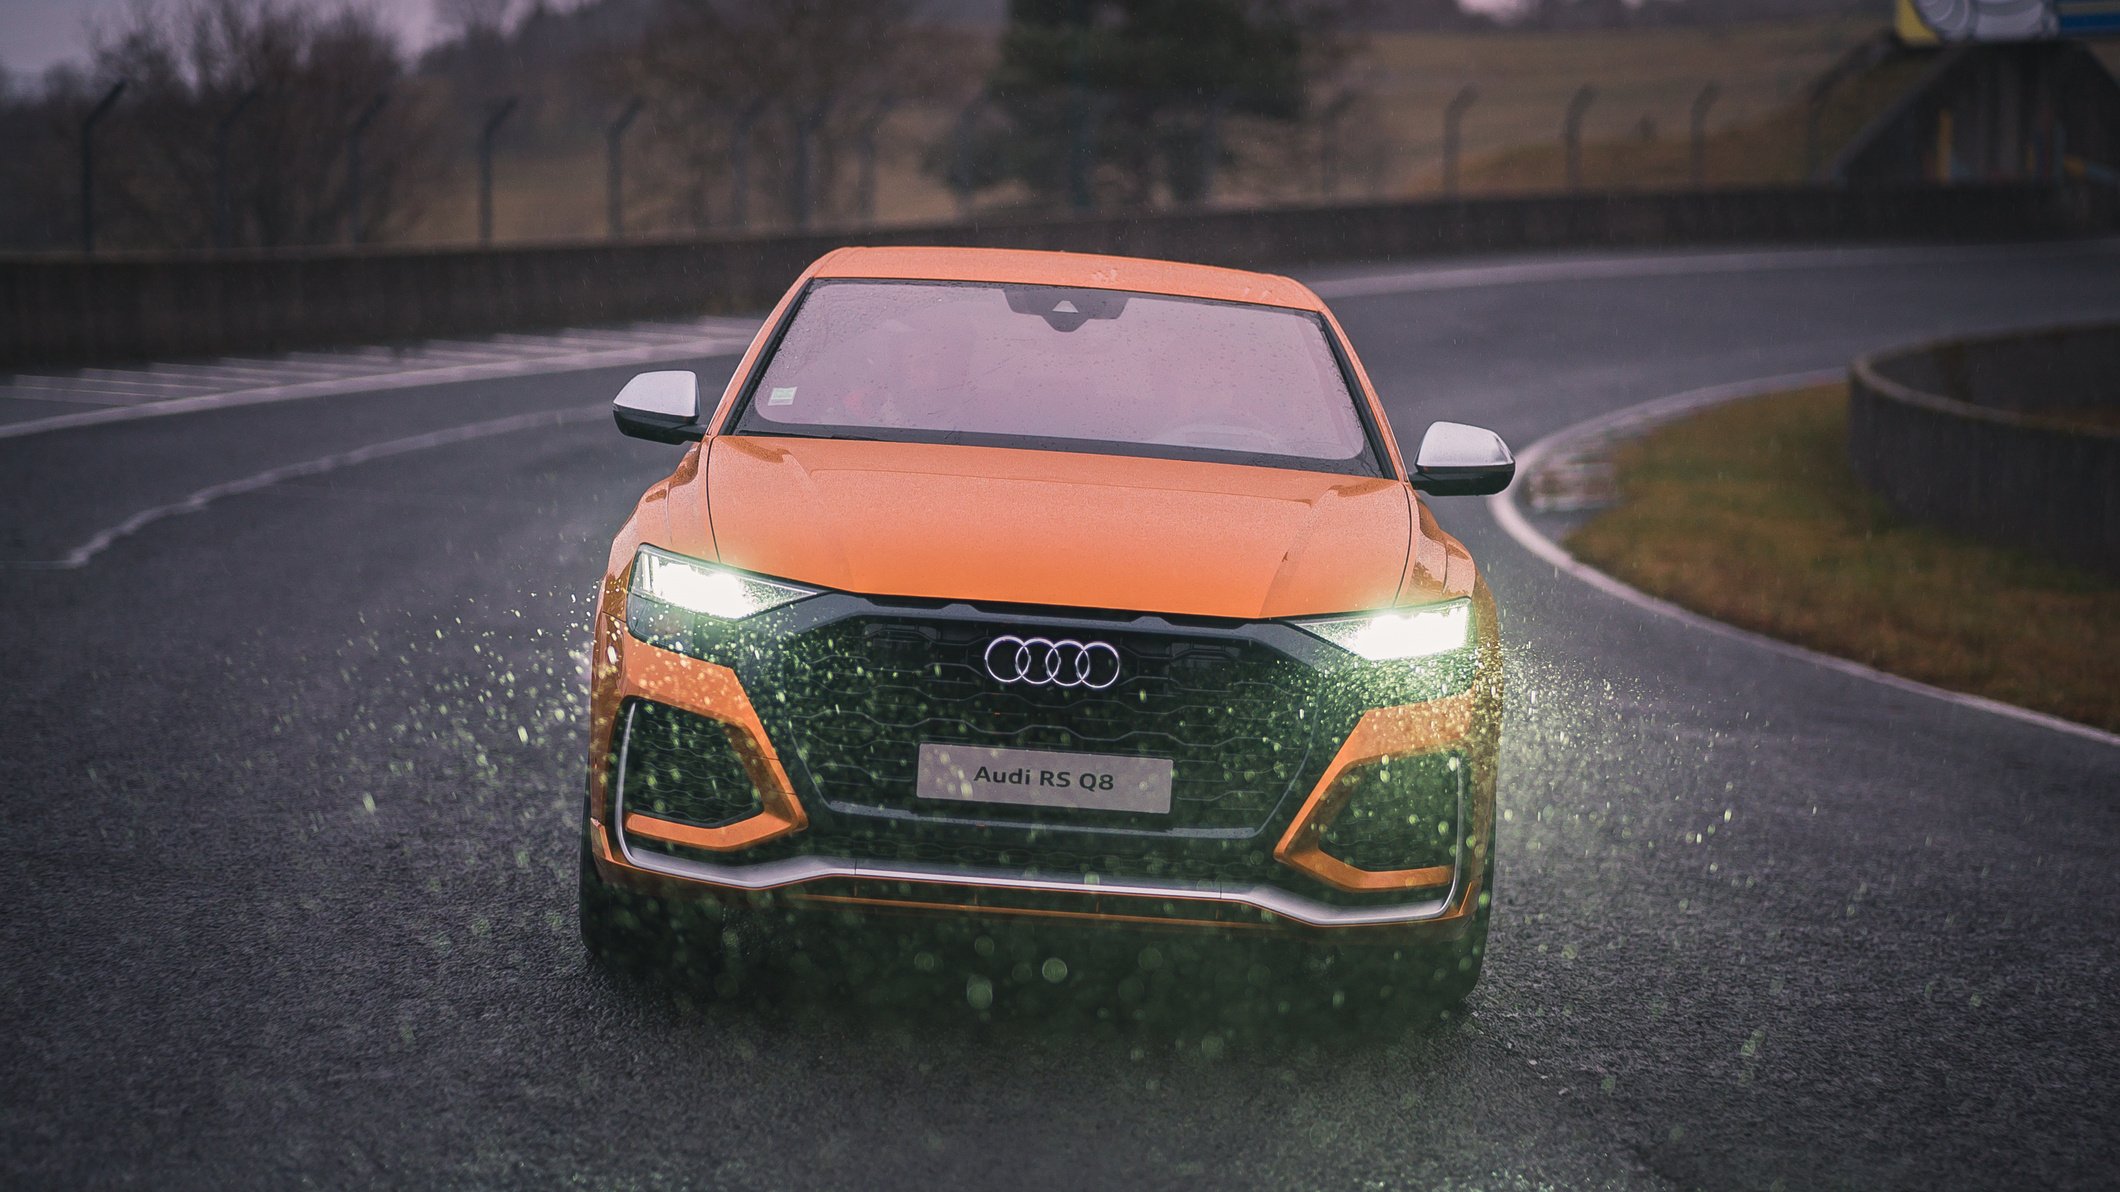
<point>1447,973</point>
<point>619,928</point>
<point>1437,976</point>
<point>628,931</point>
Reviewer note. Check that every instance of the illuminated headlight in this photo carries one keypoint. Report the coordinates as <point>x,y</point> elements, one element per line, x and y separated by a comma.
<point>1402,633</point>
<point>706,589</point>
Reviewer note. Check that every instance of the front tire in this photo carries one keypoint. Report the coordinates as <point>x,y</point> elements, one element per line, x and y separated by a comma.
<point>1448,973</point>
<point>627,931</point>
<point>1435,976</point>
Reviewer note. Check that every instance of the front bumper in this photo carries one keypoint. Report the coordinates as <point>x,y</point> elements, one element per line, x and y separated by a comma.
<point>790,850</point>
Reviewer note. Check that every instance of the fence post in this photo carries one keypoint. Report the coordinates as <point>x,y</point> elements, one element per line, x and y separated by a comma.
<point>1701,104</point>
<point>1453,121</point>
<point>223,203</point>
<point>865,184</point>
<point>740,164</point>
<point>961,179</point>
<point>614,167</point>
<point>801,200</point>
<point>1329,142</point>
<point>501,111</point>
<point>1081,196</point>
<point>1572,134</point>
<point>1814,111</point>
<point>88,166</point>
<point>1211,146</point>
<point>355,233</point>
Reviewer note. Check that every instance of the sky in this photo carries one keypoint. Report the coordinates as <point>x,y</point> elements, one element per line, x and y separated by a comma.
<point>38,34</point>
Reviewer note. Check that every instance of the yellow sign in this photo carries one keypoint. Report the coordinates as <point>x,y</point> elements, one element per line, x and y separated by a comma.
<point>1931,22</point>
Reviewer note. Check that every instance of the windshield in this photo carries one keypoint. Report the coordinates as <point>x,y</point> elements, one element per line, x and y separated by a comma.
<point>1064,369</point>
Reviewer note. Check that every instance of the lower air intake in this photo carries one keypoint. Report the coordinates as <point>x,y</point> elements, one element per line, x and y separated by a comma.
<point>682,767</point>
<point>1402,813</point>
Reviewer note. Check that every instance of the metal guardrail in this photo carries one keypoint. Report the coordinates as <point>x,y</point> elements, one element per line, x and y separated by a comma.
<point>61,309</point>
<point>2013,439</point>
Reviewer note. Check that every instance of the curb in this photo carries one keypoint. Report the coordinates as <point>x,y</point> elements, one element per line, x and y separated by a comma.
<point>1635,419</point>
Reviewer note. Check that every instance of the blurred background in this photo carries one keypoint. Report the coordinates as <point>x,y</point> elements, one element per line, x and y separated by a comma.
<point>239,124</point>
<point>1802,315</point>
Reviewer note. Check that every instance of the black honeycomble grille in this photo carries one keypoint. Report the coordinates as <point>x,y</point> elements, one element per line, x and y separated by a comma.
<point>683,767</point>
<point>858,697</point>
<point>1402,814</point>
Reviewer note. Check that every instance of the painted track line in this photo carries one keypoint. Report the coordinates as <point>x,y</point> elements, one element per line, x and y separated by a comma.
<point>72,395</point>
<point>1640,417</point>
<point>1421,279</point>
<point>85,553</point>
<point>722,336</point>
<point>414,379</point>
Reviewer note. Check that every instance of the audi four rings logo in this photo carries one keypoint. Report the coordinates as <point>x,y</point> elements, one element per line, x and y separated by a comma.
<point>1042,662</point>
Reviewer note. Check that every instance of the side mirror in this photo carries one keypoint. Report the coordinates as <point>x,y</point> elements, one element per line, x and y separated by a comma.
<point>1457,460</point>
<point>661,407</point>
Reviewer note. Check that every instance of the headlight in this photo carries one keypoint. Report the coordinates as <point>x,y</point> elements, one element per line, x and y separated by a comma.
<point>1402,633</point>
<point>706,589</point>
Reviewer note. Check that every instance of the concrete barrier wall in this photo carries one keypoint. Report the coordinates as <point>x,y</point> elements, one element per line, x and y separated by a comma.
<point>2013,439</point>
<point>56,310</point>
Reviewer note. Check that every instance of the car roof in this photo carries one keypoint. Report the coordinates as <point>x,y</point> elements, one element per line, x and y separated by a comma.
<point>1086,270</point>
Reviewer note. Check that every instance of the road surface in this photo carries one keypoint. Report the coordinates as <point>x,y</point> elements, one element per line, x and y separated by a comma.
<point>292,747</point>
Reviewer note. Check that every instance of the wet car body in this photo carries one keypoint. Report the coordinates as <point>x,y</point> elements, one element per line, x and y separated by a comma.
<point>905,632</point>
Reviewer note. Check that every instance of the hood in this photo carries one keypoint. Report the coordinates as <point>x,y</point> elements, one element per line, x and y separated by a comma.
<point>1057,528</point>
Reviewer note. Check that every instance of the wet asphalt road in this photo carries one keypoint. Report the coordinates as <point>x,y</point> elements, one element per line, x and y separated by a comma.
<point>292,788</point>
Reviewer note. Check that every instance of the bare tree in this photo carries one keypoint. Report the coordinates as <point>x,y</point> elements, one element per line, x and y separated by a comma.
<point>1340,141</point>
<point>784,93</point>
<point>476,33</point>
<point>468,19</point>
<point>237,120</point>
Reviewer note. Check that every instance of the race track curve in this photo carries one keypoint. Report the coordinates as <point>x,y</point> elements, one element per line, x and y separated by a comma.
<point>293,768</point>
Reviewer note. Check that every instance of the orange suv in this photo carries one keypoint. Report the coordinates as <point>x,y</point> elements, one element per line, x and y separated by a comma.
<point>1026,584</point>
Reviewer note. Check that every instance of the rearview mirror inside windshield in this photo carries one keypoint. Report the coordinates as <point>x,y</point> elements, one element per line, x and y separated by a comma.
<point>1065,310</point>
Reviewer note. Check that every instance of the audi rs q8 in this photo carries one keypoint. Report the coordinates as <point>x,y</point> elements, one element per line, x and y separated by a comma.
<point>1024,584</point>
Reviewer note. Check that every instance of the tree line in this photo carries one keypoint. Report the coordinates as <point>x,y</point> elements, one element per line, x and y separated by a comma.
<point>269,124</point>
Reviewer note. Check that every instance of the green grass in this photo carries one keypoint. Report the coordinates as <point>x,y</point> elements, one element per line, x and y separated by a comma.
<point>1750,513</point>
<point>1525,79</point>
<point>1768,148</point>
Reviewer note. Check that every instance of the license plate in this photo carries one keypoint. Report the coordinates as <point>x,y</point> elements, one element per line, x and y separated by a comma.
<point>1042,778</point>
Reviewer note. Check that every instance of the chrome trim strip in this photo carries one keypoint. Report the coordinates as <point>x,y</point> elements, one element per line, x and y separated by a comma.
<point>795,871</point>
<point>618,783</point>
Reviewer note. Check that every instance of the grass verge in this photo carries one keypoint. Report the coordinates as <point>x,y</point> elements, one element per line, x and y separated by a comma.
<point>1750,513</point>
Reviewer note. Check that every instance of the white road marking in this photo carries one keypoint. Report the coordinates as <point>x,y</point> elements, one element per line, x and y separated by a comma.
<point>738,325</point>
<point>1420,279</point>
<point>123,378</point>
<point>371,369</point>
<point>1635,418</point>
<point>579,339</point>
<point>138,390</point>
<point>410,374</point>
<point>83,554</point>
<point>220,372</point>
<point>349,356</point>
<point>296,369</point>
<point>457,351</point>
<point>70,395</point>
